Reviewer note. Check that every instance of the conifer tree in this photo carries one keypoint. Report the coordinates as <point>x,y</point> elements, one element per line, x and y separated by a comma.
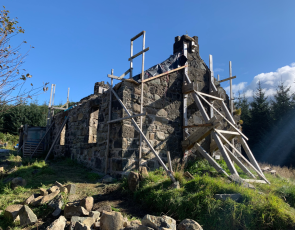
<point>260,121</point>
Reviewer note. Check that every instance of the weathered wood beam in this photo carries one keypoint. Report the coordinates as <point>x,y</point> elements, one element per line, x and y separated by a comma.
<point>199,135</point>
<point>228,132</point>
<point>213,145</point>
<point>137,36</point>
<point>210,159</point>
<point>222,116</point>
<point>224,154</point>
<point>139,53</point>
<point>189,88</point>
<point>239,163</point>
<point>121,77</point>
<point>163,74</point>
<point>208,95</point>
<point>227,79</point>
<point>241,155</point>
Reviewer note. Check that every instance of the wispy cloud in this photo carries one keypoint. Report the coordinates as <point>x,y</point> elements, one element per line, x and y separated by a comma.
<point>218,70</point>
<point>269,82</point>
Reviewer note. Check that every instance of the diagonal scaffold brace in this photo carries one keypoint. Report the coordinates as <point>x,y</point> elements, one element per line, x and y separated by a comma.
<point>143,136</point>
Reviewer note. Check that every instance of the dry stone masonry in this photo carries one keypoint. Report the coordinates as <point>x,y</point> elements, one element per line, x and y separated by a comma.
<point>84,137</point>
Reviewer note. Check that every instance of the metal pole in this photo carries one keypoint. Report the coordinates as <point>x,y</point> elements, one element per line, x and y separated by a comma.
<point>231,100</point>
<point>211,81</point>
<point>109,126</point>
<point>68,98</point>
<point>141,100</point>
<point>131,61</point>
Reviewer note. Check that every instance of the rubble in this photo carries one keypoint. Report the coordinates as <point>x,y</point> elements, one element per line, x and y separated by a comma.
<point>18,181</point>
<point>27,216</point>
<point>189,224</point>
<point>11,212</point>
<point>87,203</point>
<point>133,181</point>
<point>58,224</point>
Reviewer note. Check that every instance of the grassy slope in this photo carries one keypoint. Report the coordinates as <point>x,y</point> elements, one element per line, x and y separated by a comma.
<point>39,174</point>
<point>195,200</point>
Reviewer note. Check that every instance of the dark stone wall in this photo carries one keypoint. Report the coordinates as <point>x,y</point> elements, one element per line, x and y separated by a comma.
<point>85,136</point>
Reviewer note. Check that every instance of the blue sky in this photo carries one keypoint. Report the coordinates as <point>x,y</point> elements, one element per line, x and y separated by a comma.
<point>77,43</point>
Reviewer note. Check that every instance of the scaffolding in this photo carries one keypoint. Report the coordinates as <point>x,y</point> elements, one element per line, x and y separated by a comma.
<point>221,137</point>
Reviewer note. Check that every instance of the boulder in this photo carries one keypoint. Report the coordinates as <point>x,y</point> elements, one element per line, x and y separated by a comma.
<point>189,224</point>
<point>80,226</point>
<point>175,185</point>
<point>18,181</point>
<point>87,221</point>
<point>87,203</point>
<point>27,216</point>
<point>1,169</point>
<point>133,181</point>
<point>56,204</point>
<point>72,210</point>
<point>111,221</point>
<point>59,185</point>
<point>133,225</point>
<point>273,172</point>
<point>96,226</point>
<point>141,227</point>
<point>105,207</point>
<point>71,188</point>
<point>158,222</point>
<point>188,175</point>
<point>43,192</point>
<point>236,197</point>
<point>54,188</point>
<point>11,212</point>
<point>36,201</point>
<point>143,172</point>
<point>58,224</point>
<point>49,197</point>
<point>95,215</point>
<point>64,190</point>
<point>30,199</point>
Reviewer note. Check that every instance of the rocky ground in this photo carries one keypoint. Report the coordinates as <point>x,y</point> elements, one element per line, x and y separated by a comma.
<point>81,200</point>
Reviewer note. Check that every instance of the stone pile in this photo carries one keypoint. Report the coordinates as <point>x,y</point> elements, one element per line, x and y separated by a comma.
<point>81,216</point>
<point>52,197</point>
<point>269,170</point>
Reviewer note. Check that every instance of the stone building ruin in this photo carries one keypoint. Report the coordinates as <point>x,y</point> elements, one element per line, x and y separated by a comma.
<point>170,121</point>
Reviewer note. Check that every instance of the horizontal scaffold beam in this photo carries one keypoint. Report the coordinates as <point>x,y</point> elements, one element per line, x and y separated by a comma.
<point>139,53</point>
<point>163,74</point>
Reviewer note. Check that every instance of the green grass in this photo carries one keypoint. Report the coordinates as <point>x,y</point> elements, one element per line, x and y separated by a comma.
<point>39,174</point>
<point>195,200</point>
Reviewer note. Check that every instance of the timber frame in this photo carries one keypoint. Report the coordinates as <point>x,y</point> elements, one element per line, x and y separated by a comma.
<point>222,138</point>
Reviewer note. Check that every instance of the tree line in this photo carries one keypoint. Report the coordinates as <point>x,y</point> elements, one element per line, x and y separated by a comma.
<point>270,125</point>
<point>12,118</point>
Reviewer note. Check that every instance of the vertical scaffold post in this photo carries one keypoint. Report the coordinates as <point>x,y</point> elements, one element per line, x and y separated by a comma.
<point>231,102</point>
<point>109,126</point>
<point>141,100</point>
<point>211,81</point>
<point>131,61</point>
<point>185,96</point>
<point>68,100</point>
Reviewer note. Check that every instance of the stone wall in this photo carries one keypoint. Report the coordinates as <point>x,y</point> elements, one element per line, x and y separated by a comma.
<point>85,135</point>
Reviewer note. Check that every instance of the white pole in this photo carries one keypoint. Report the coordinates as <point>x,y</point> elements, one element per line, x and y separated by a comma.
<point>141,98</point>
<point>211,81</point>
